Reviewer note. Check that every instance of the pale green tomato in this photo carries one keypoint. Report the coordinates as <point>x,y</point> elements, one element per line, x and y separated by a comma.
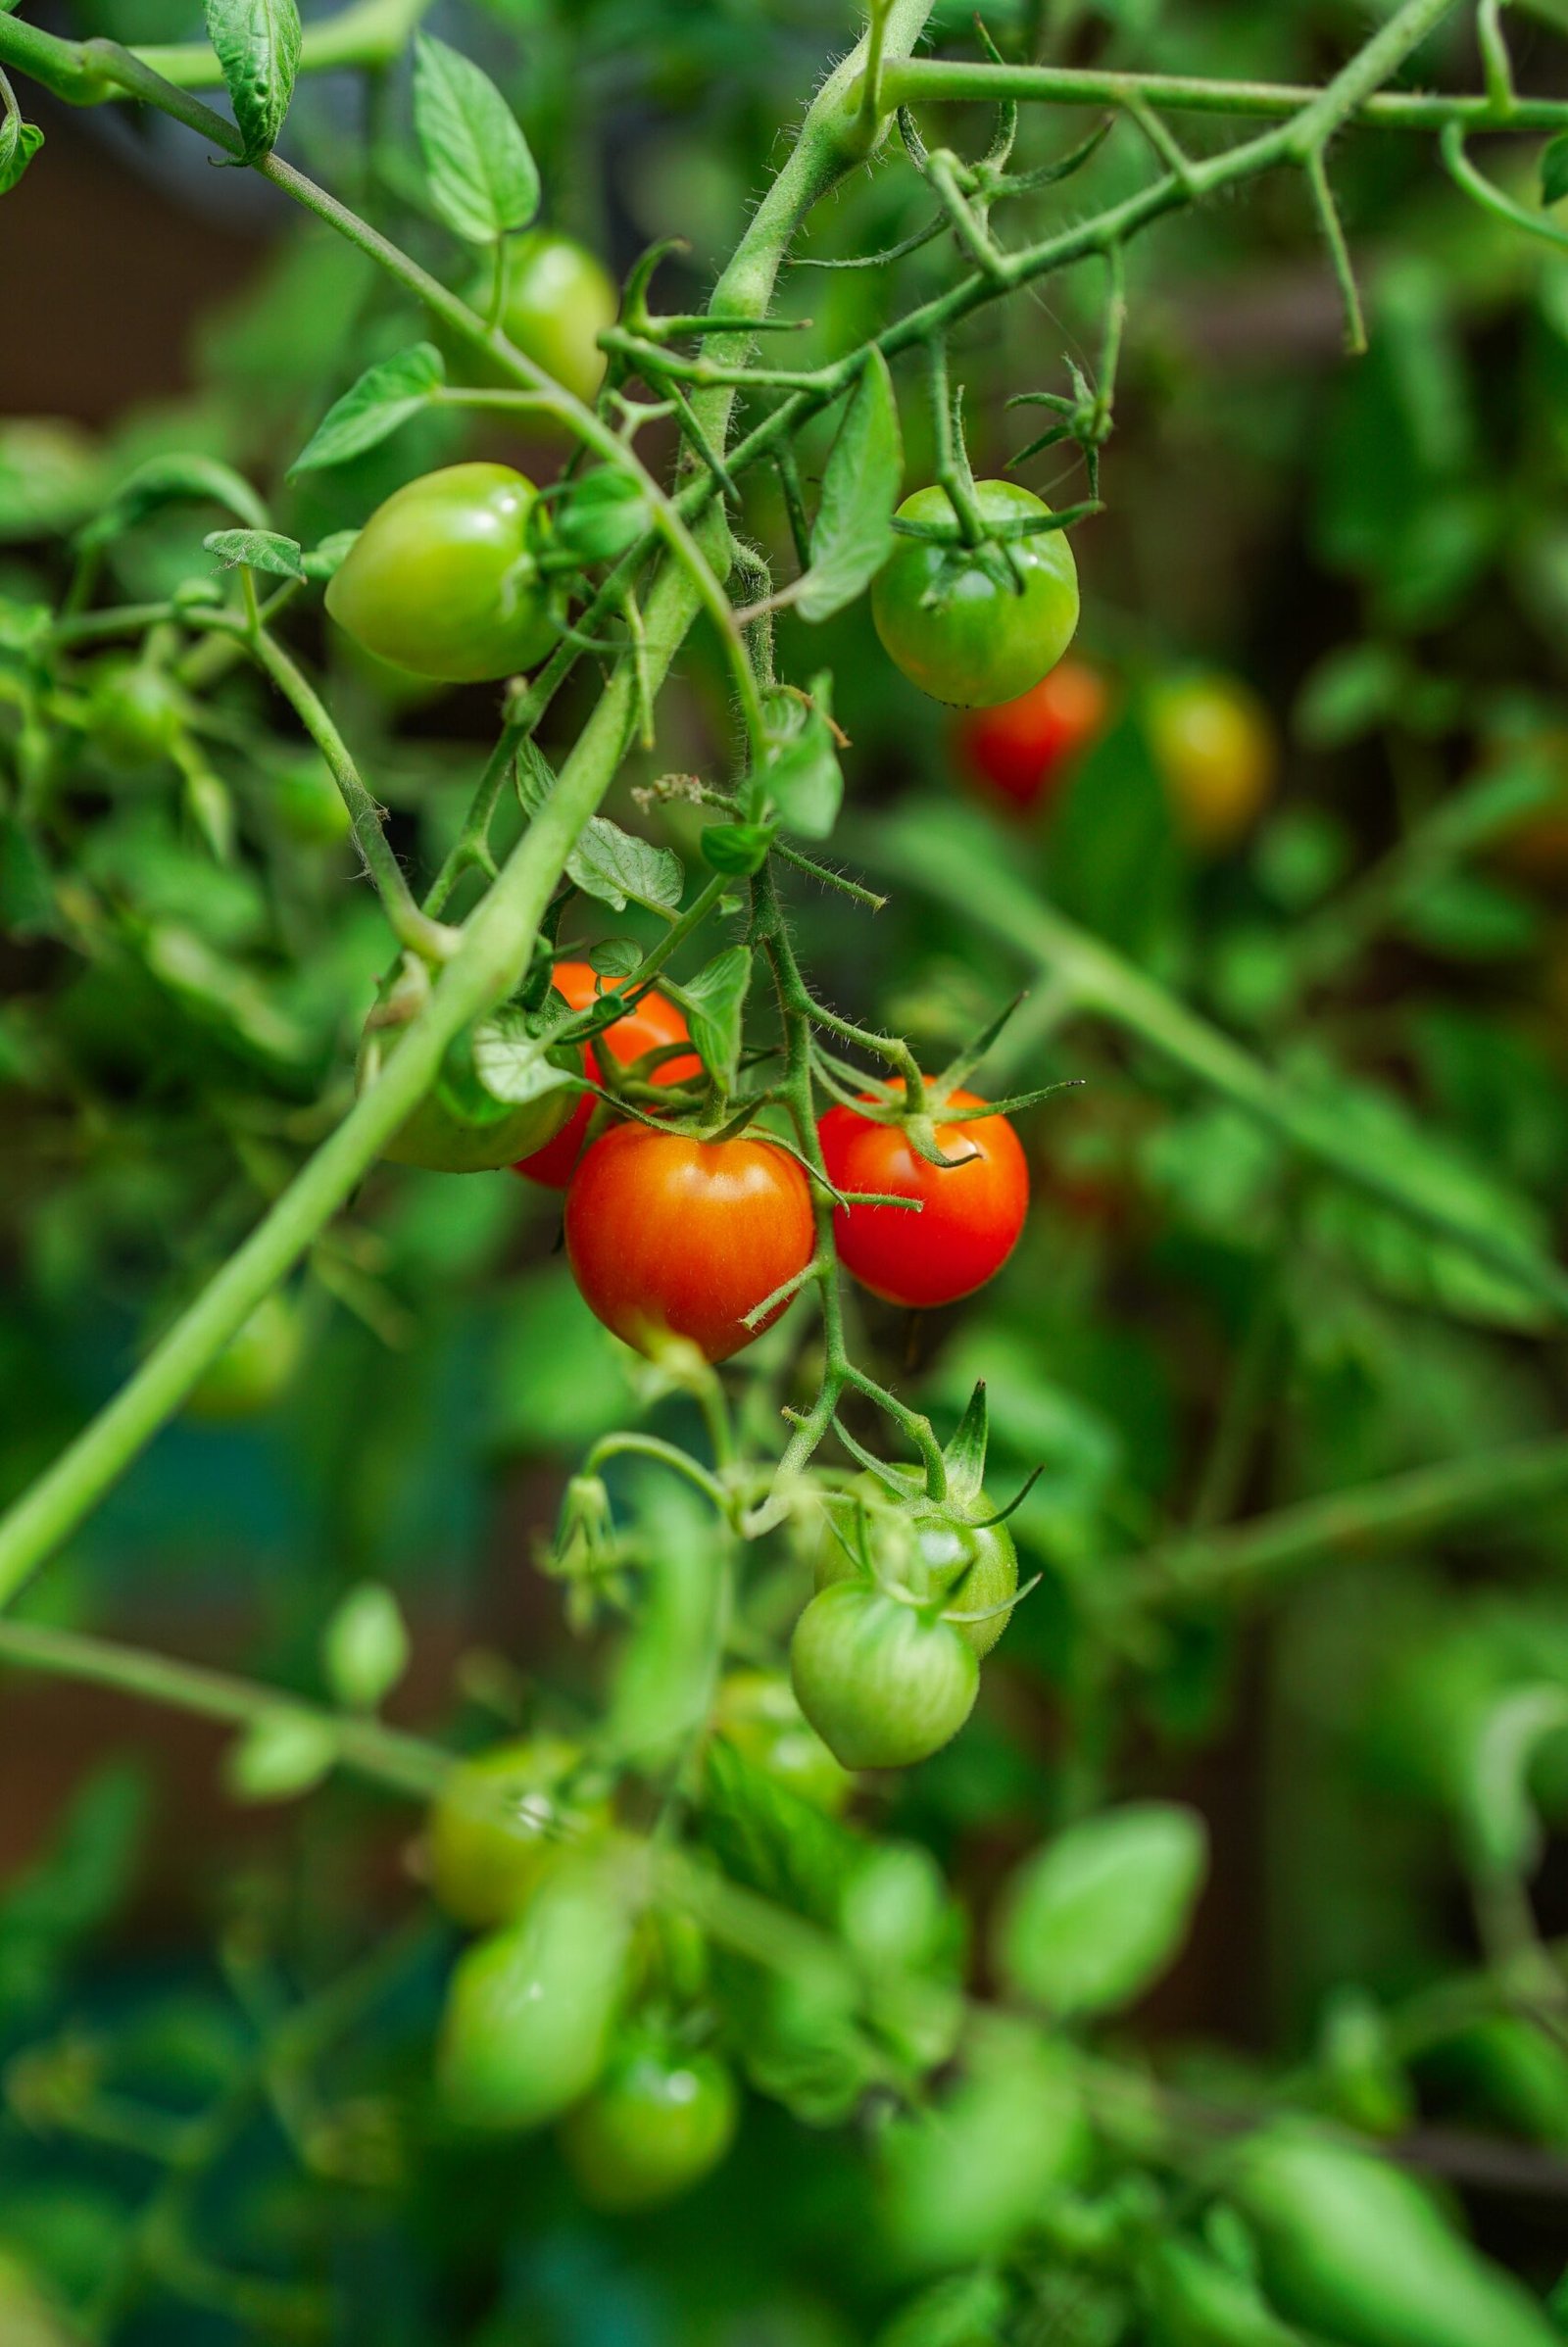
<point>557,300</point>
<point>501,1822</point>
<point>442,579</point>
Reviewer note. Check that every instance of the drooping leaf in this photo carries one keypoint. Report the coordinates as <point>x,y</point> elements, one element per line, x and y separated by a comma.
<point>482,179</point>
<point>257,550</point>
<point>323,562</point>
<point>171,481</point>
<point>620,869</point>
<point>852,534</point>
<point>509,1060</point>
<point>1097,1914</point>
<point>20,142</point>
<point>257,45</point>
<point>714,1001</point>
<point>385,396</point>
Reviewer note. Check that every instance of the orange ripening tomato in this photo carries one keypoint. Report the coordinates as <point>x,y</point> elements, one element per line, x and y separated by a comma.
<point>1020,752</point>
<point>971,1210</point>
<point>667,1234</point>
<point>649,1026</point>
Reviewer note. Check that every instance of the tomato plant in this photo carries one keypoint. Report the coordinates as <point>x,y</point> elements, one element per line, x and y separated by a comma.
<point>651,1024</point>
<point>729,1766</point>
<point>972,1207</point>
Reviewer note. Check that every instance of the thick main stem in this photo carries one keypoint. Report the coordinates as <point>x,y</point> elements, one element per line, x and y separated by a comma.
<point>498,937</point>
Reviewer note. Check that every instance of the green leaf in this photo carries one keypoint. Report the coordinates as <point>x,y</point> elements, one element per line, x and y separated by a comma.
<point>509,1057</point>
<point>326,560</point>
<point>257,45</point>
<point>714,1001</point>
<point>614,956</point>
<point>169,480</point>
<point>1554,171</point>
<point>1096,1915</point>
<point>964,2310</point>
<point>604,513</point>
<point>483,180</point>
<point>385,396</point>
<point>773,1840</point>
<point>800,770</point>
<point>20,142</point>
<point>280,1756</point>
<point>257,550</point>
<point>852,534</point>
<point>1470,918</point>
<point>365,1646</point>
<point>619,869</point>
<point>1115,862</point>
<point>736,847</point>
<point>51,476</point>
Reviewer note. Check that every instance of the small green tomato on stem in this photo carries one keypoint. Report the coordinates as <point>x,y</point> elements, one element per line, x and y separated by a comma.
<point>976,625</point>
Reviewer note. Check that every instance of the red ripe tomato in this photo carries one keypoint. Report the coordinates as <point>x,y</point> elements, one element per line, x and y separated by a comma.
<point>1020,750</point>
<point>665,1233</point>
<point>971,1211</point>
<point>653,1022</point>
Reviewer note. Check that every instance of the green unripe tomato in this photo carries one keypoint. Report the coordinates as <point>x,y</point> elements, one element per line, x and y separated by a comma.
<point>461,1127</point>
<point>657,2122</point>
<point>136,714</point>
<point>975,1565</point>
<point>254,1367</point>
<point>500,1823</point>
<point>883,1685</point>
<point>1352,2247</point>
<point>959,2183</point>
<point>954,624</point>
<point>557,299</point>
<point>442,579</point>
<point>530,2011</point>
<point>308,804</point>
<point>757,1712</point>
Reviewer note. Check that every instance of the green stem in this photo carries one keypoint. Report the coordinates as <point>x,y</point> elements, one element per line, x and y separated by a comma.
<point>922,80</point>
<point>946,854</point>
<point>1404,1507</point>
<point>429,938</point>
<point>403,1762</point>
<point>654,1447</point>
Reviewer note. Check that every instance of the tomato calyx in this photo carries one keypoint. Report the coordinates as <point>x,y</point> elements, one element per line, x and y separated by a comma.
<point>887,1533</point>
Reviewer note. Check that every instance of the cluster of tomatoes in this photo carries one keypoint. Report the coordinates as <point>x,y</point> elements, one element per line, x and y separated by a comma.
<point>1208,735</point>
<point>668,1235</point>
